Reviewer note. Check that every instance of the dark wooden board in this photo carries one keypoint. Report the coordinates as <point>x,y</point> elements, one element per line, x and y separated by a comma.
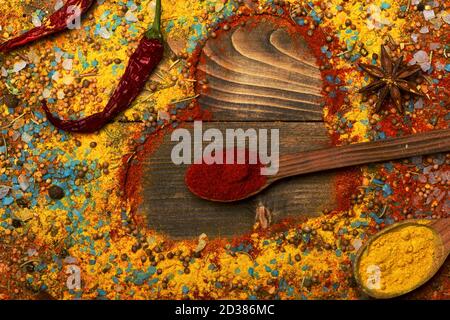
<point>260,71</point>
<point>256,74</point>
<point>173,210</point>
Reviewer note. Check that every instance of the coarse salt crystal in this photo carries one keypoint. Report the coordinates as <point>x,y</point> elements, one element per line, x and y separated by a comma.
<point>356,243</point>
<point>418,104</point>
<point>428,14</point>
<point>434,45</point>
<point>26,137</point>
<point>46,93</point>
<point>376,20</point>
<point>437,23</point>
<point>446,18</point>
<point>36,20</point>
<point>425,66</point>
<point>424,30</point>
<point>152,7</point>
<point>55,76</point>
<point>421,56</point>
<point>67,64</point>
<point>130,17</point>
<point>163,115</point>
<point>3,191</point>
<point>59,4</point>
<point>19,66</point>
<point>58,56</point>
<point>104,33</point>
<point>15,135</point>
<point>23,182</point>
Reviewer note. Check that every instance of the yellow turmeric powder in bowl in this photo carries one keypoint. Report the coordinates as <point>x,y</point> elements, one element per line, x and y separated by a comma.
<point>398,260</point>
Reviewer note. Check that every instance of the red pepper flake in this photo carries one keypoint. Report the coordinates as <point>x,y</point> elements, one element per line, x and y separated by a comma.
<point>388,127</point>
<point>346,185</point>
<point>225,182</point>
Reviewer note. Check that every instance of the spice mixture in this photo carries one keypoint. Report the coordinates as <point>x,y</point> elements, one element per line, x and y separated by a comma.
<point>56,22</point>
<point>63,205</point>
<point>143,61</point>
<point>398,261</point>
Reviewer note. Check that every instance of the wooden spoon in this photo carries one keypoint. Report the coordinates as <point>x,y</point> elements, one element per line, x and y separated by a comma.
<point>355,154</point>
<point>441,229</point>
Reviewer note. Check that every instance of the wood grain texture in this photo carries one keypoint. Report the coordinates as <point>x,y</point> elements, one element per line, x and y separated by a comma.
<point>260,71</point>
<point>364,153</point>
<point>442,226</point>
<point>256,74</point>
<point>173,210</point>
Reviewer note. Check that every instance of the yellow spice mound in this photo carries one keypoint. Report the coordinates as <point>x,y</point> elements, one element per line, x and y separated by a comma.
<point>399,260</point>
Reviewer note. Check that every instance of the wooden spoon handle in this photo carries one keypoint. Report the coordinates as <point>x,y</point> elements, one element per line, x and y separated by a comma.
<point>364,153</point>
<point>442,226</point>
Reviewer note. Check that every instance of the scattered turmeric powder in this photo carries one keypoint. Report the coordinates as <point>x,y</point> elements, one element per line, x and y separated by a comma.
<point>399,260</point>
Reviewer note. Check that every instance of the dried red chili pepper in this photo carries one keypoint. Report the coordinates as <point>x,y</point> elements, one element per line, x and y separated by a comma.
<point>56,22</point>
<point>225,182</point>
<point>142,62</point>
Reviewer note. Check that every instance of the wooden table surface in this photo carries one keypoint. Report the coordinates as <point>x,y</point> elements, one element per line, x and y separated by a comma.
<point>257,77</point>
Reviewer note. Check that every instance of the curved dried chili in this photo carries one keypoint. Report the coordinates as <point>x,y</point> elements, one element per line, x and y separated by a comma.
<point>142,62</point>
<point>56,22</point>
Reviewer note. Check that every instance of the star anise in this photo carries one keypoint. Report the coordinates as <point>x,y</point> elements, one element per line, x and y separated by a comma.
<point>392,78</point>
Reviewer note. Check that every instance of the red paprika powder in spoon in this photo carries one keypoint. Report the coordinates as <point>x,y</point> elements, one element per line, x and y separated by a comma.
<point>225,182</point>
